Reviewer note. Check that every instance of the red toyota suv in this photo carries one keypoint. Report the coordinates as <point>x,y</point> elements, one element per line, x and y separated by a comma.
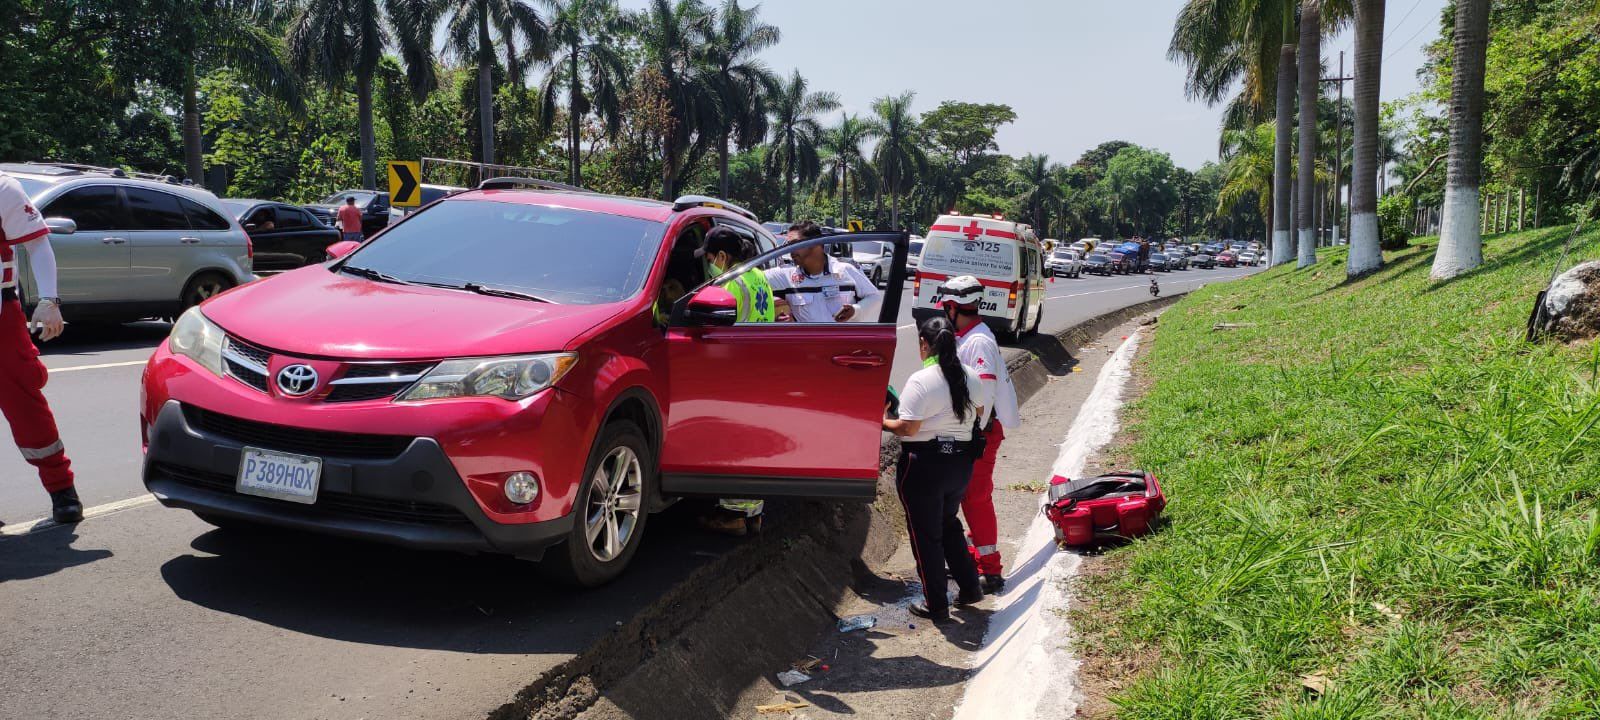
<point>508,370</point>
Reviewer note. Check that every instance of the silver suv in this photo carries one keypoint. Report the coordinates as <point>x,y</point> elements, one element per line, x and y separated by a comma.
<point>128,247</point>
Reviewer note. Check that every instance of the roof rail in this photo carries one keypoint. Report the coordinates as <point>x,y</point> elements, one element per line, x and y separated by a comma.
<point>689,201</point>
<point>511,183</point>
<point>115,172</point>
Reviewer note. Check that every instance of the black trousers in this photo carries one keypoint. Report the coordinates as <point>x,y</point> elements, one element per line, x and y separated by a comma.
<point>931,486</point>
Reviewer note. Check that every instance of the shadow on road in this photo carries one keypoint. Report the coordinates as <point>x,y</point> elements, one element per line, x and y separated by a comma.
<point>89,338</point>
<point>43,553</point>
<point>379,595</point>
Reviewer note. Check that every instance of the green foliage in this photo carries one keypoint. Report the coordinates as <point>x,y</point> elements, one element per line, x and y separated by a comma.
<point>1395,220</point>
<point>966,130</point>
<point>1377,481</point>
<point>1143,185</point>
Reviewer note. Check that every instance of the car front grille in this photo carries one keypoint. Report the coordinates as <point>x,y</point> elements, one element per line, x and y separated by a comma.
<point>332,503</point>
<point>246,363</point>
<point>361,380</point>
<point>297,440</point>
<point>375,381</point>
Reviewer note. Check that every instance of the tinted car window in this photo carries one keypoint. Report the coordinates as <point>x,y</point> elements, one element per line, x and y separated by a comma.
<point>202,217</point>
<point>290,218</point>
<point>92,208</point>
<point>152,210</point>
<point>560,254</point>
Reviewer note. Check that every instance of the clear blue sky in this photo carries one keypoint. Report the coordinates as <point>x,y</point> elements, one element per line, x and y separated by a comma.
<point>1078,72</point>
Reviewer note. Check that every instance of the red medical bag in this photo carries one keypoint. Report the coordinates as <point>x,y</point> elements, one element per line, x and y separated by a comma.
<point>1121,505</point>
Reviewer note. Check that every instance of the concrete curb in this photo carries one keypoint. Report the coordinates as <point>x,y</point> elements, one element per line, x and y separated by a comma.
<point>754,610</point>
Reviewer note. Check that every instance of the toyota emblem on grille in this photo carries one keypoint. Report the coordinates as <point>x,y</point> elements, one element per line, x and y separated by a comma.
<point>297,380</point>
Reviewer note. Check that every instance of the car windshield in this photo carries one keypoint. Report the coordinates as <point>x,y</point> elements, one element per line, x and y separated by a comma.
<point>1065,254</point>
<point>873,249</point>
<point>1099,256</point>
<point>916,247</point>
<point>558,254</point>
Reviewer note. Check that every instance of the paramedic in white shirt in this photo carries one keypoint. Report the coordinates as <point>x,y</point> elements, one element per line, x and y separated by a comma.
<point>22,376</point>
<point>820,288</point>
<point>938,409</point>
<point>978,349</point>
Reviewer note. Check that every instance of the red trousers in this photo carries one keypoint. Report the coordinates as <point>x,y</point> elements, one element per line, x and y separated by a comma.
<point>22,379</point>
<point>978,506</point>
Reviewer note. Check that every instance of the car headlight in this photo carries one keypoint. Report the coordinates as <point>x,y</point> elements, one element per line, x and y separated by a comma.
<point>509,378</point>
<point>199,339</point>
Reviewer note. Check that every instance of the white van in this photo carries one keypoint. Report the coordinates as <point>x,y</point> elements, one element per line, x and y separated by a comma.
<point>1005,256</point>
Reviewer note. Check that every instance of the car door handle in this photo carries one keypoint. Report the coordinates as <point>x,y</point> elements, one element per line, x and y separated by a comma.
<point>113,241</point>
<point>189,240</point>
<point>859,359</point>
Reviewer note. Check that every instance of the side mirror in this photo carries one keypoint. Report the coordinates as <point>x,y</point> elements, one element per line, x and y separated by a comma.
<point>61,225</point>
<point>342,248</point>
<point>713,305</point>
<point>250,226</point>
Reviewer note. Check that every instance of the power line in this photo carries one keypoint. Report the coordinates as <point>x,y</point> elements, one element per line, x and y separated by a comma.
<point>1406,44</point>
<point>1403,19</point>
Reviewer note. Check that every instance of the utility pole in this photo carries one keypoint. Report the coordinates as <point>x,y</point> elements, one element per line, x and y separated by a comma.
<point>1338,142</point>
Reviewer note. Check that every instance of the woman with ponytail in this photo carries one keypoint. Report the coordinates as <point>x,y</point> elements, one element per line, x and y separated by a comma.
<point>938,410</point>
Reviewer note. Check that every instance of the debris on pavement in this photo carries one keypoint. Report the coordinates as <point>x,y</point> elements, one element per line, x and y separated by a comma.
<point>857,622</point>
<point>790,678</point>
<point>782,707</point>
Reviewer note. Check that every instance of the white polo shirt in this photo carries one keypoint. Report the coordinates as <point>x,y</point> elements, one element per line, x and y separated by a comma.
<point>818,298</point>
<point>927,398</point>
<point>979,350</point>
<point>20,222</point>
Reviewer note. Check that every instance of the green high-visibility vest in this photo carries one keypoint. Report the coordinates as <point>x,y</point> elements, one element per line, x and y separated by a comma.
<point>753,295</point>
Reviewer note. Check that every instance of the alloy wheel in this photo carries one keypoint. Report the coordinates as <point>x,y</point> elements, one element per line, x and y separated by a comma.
<point>615,500</point>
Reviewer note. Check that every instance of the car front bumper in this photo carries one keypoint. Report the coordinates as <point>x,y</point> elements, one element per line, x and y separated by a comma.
<point>414,498</point>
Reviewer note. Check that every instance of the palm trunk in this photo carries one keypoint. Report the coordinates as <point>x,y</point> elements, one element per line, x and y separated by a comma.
<point>369,152</point>
<point>1310,65</point>
<point>485,85</point>
<point>722,164</point>
<point>844,195</point>
<point>1366,255</point>
<point>1460,241</point>
<point>574,123</point>
<point>194,163</point>
<point>788,181</point>
<point>1283,140</point>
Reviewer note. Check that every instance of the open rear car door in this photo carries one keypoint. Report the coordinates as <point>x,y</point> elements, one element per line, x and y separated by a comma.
<point>779,409</point>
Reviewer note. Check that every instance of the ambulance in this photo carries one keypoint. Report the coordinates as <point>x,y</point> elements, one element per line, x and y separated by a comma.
<point>1005,256</point>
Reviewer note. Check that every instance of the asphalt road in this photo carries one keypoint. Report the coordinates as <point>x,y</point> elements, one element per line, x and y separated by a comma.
<point>147,612</point>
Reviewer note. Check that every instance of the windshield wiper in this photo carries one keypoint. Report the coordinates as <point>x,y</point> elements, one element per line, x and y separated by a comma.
<point>371,274</point>
<point>501,292</point>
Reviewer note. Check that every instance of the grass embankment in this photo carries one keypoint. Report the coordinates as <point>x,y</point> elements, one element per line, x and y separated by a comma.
<point>1377,482</point>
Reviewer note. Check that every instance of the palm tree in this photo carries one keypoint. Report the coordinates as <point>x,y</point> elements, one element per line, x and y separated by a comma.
<point>899,156</point>
<point>333,39</point>
<point>1460,241</point>
<point>235,33</point>
<point>1224,42</point>
<point>796,134</point>
<point>1248,168</point>
<point>742,83</point>
<point>673,35</point>
<point>1038,194</point>
<point>475,30</point>
<point>1366,254</point>
<point>1310,60</point>
<point>843,145</point>
<point>586,64</point>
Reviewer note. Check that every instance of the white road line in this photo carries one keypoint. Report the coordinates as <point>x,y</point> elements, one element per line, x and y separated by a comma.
<point>75,368</point>
<point>42,524</point>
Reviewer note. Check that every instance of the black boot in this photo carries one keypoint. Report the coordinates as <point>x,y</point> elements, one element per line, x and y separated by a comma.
<point>920,609</point>
<point>993,584</point>
<point>65,507</point>
<point>972,598</point>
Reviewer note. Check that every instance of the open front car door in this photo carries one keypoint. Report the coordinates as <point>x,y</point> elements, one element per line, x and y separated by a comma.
<point>779,409</point>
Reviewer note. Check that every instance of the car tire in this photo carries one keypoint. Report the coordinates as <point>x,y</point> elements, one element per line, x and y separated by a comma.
<point>620,448</point>
<point>203,286</point>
